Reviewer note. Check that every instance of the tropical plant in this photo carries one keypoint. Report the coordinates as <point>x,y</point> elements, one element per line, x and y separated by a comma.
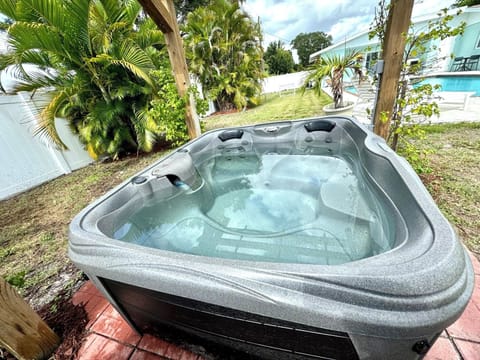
<point>332,68</point>
<point>307,43</point>
<point>184,7</point>
<point>170,107</point>
<point>4,24</point>
<point>415,104</point>
<point>460,3</point>
<point>92,58</point>
<point>224,53</point>
<point>279,60</point>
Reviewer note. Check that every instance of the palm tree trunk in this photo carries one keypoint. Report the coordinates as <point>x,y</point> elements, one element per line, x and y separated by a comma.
<point>337,88</point>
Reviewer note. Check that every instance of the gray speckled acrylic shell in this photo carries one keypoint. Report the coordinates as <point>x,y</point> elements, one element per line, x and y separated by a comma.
<point>384,302</point>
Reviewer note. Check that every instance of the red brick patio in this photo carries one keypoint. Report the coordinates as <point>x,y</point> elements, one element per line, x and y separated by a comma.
<point>109,336</point>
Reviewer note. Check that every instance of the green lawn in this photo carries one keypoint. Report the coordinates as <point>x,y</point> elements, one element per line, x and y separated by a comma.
<point>34,225</point>
<point>455,178</point>
<point>285,106</point>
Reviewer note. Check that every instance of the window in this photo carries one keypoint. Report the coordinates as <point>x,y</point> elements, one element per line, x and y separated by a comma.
<point>478,42</point>
<point>371,60</point>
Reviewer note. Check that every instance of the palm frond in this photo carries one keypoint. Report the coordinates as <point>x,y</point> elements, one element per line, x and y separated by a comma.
<point>132,9</point>
<point>76,28</point>
<point>333,68</point>
<point>145,135</point>
<point>113,11</point>
<point>28,36</point>
<point>134,59</point>
<point>46,127</point>
<point>50,11</point>
<point>9,8</point>
<point>7,60</point>
<point>96,57</point>
<point>19,74</point>
<point>36,80</point>
<point>149,38</point>
<point>35,57</point>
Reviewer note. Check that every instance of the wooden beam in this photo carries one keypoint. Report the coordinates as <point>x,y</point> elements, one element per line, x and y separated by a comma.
<point>22,331</point>
<point>394,46</point>
<point>180,72</point>
<point>160,14</point>
<point>164,13</point>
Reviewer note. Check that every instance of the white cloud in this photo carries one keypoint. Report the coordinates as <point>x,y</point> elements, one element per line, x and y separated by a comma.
<point>284,19</point>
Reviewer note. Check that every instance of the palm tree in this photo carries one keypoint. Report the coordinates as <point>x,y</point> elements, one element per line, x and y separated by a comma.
<point>92,58</point>
<point>333,68</point>
<point>224,52</point>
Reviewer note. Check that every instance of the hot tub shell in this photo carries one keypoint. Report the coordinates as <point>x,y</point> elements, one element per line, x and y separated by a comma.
<point>390,306</point>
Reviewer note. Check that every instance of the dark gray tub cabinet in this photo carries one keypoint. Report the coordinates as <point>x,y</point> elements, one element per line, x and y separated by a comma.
<point>305,239</point>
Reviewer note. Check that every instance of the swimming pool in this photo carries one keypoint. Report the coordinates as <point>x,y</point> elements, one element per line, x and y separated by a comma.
<point>455,83</point>
<point>351,89</point>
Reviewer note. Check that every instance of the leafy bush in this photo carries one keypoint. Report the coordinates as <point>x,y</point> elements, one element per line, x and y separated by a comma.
<point>168,109</point>
<point>95,58</point>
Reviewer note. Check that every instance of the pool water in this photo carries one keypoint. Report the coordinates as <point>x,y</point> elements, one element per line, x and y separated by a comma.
<point>455,83</point>
<point>275,208</point>
<point>351,89</point>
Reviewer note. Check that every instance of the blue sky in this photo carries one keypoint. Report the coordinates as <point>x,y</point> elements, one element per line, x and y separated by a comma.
<point>284,19</point>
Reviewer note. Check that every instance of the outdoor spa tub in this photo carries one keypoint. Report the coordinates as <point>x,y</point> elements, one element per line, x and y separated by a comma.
<point>295,239</point>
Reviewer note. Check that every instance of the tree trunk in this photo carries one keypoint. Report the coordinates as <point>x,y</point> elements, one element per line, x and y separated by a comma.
<point>225,102</point>
<point>337,88</point>
<point>396,117</point>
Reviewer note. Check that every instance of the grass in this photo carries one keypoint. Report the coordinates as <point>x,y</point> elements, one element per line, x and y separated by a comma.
<point>34,225</point>
<point>455,178</point>
<point>284,106</point>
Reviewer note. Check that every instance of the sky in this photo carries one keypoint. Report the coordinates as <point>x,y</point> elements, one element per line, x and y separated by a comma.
<point>284,19</point>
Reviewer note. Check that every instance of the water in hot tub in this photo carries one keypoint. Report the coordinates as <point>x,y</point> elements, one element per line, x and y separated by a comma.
<point>276,208</point>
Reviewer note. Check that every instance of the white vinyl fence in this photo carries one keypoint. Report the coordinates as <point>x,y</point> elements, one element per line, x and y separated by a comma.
<point>284,82</point>
<point>25,160</point>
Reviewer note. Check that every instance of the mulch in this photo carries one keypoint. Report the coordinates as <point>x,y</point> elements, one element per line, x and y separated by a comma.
<point>69,322</point>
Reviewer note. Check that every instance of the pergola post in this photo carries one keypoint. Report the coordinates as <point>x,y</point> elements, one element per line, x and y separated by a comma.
<point>22,331</point>
<point>163,13</point>
<point>394,46</point>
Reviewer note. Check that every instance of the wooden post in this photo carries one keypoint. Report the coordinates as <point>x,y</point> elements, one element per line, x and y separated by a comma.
<point>163,13</point>
<point>394,46</point>
<point>22,331</point>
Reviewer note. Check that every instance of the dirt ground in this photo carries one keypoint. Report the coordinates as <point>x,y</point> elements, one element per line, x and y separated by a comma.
<point>34,227</point>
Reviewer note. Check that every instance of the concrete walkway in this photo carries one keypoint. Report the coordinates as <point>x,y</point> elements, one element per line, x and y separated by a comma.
<point>449,113</point>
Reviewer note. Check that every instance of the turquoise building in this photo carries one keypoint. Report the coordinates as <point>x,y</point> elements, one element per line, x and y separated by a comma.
<point>460,53</point>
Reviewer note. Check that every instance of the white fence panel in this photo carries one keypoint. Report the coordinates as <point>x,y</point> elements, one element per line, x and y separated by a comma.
<point>25,161</point>
<point>284,82</point>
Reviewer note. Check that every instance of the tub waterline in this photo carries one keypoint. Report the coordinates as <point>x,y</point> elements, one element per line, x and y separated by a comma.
<point>285,208</point>
<point>273,275</point>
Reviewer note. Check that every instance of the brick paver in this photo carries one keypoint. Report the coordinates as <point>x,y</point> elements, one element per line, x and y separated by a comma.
<point>110,337</point>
